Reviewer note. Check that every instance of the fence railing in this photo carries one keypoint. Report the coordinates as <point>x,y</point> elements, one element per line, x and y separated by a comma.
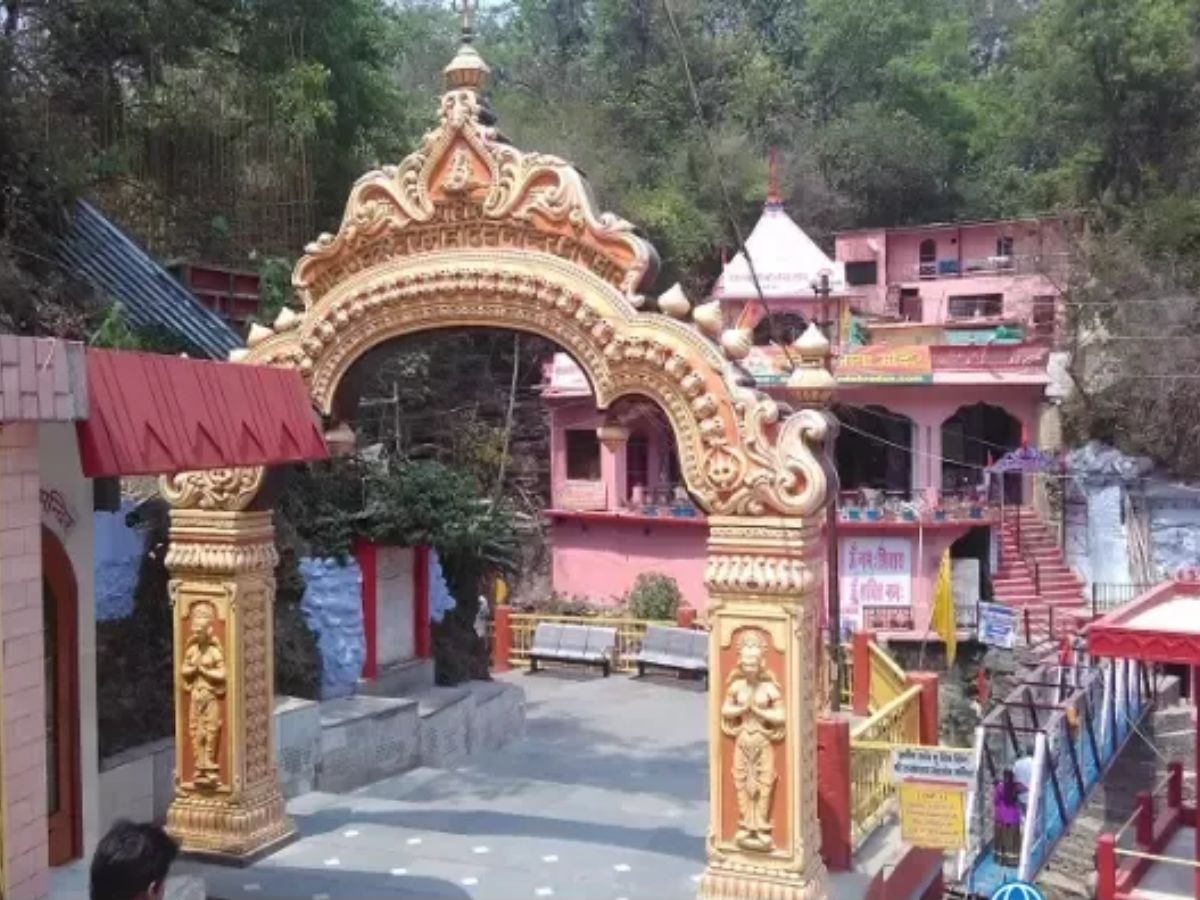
<point>887,679</point>
<point>872,788</point>
<point>1107,596</point>
<point>630,633</point>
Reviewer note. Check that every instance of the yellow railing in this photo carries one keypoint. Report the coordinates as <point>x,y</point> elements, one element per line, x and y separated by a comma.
<point>887,679</point>
<point>629,635</point>
<point>872,788</point>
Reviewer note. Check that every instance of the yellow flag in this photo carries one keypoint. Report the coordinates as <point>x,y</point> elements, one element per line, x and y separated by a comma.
<point>944,620</point>
<point>501,591</point>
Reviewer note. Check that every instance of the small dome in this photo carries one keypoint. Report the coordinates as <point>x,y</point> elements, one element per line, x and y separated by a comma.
<point>467,70</point>
<point>812,344</point>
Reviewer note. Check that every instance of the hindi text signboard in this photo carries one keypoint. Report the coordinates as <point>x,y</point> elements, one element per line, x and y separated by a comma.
<point>949,764</point>
<point>933,815</point>
<point>997,625</point>
<point>876,572</point>
<point>885,364</point>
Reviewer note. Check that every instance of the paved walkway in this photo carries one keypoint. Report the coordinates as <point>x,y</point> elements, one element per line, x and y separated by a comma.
<point>605,797</point>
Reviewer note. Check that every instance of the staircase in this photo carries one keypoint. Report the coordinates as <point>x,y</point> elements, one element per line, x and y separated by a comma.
<point>1034,578</point>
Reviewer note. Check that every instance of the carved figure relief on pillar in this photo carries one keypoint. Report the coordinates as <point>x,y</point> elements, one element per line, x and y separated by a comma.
<point>753,715</point>
<point>202,675</point>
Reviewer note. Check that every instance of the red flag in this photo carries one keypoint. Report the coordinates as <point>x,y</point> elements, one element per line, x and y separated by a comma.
<point>1064,652</point>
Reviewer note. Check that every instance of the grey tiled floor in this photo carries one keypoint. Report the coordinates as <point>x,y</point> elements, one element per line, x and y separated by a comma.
<point>605,797</point>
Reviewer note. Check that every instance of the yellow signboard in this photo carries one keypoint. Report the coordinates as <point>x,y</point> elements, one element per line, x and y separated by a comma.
<point>933,816</point>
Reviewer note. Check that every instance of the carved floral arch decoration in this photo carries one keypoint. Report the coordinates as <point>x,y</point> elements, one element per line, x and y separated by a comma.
<point>469,231</point>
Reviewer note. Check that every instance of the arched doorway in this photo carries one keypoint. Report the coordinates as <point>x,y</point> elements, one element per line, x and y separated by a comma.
<point>61,619</point>
<point>971,437</point>
<point>874,450</point>
<point>469,231</point>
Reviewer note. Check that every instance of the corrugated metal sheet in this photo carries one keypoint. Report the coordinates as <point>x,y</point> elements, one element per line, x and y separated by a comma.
<point>151,414</point>
<point>99,252</point>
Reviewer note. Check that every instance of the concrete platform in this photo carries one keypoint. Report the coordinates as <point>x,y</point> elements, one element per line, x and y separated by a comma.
<point>1164,881</point>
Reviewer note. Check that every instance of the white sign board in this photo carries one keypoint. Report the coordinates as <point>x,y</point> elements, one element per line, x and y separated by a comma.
<point>876,572</point>
<point>997,625</point>
<point>934,764</point>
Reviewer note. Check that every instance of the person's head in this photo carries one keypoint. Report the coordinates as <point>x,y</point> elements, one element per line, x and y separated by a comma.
<point>1010,786</point>
<point>131,863</point>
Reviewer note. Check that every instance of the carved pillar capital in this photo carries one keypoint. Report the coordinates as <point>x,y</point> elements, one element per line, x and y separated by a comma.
<point>222,562</point>
<point>230,490</point>
<point>764,580</point>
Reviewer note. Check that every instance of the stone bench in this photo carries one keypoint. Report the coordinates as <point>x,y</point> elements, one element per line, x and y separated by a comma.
<point>679,649</point>
<point>587,645</point>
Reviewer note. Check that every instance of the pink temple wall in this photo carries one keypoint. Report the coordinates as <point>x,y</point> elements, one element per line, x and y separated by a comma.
<point>600,560</point>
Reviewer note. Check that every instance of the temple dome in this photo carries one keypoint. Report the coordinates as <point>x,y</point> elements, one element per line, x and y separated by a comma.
<point>786,260</point>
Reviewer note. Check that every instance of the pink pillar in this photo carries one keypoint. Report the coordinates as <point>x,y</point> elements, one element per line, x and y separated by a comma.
<point>613,470</point>
<point>23,712</point>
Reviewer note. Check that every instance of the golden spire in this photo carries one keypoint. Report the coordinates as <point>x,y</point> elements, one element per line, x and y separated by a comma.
<point>467,70</point>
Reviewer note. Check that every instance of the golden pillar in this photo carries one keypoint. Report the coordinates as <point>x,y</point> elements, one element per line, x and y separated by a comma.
<point>222,561</point>
<point>765,578</point>
<point>764,583</point>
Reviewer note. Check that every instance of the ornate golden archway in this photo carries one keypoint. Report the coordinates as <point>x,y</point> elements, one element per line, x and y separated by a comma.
<point>469,231</point>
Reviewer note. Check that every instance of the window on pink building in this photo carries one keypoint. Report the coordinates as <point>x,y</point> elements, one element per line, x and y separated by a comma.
<point>1043,316</point>
<point>976,306</point>
<point>583,455</point>
<point>911,308</point>
<point>927,256</point>
<point>1004,246</point>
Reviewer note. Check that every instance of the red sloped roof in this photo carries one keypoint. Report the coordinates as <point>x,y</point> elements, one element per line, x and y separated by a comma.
<point>152,414</point>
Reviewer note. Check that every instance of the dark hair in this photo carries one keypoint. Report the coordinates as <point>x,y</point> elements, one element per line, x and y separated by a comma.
<point>1010,786</point>
<point>129,860</point>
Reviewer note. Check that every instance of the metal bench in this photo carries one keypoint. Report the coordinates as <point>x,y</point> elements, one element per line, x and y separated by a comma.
<point>679,649</point>
<point>588,645</point>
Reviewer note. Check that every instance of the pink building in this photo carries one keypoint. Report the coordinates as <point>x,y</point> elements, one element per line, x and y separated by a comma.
<point>943,335</point>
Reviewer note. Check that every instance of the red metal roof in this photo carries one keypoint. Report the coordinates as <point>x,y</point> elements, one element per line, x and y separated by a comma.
<point>152,414</point>
<point>1162,625</point>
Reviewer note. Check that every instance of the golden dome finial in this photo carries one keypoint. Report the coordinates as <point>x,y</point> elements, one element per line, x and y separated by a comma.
<point>467,69</point>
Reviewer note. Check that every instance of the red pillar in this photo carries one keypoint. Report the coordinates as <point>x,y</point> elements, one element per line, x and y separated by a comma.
<point>1196,700</point>
<point>833,792</point>
<point>422,638</point>
<point>1106,867</point>
<point>931,731</point>
<point>366,554</point>
<point>861,694</point>
<point>501,638</point>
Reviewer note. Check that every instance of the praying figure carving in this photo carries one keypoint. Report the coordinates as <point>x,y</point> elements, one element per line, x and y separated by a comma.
<point>203,676</point>
<point>753,715</point>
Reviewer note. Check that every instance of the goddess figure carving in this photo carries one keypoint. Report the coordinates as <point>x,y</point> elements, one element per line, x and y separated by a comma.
<point>203,677</point>
<point>753,715</point>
